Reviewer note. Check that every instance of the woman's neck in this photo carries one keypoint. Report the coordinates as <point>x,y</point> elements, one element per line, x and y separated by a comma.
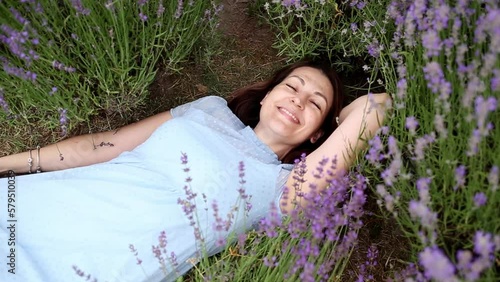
<point>277,146</point>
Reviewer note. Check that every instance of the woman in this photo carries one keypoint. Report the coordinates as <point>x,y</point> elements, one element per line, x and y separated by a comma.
<point>170,172</point>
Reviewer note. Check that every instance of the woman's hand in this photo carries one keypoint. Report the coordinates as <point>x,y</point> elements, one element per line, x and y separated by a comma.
<point>381,101</point>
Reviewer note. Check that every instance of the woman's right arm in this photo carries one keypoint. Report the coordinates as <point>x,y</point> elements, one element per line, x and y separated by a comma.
<point>85,149</point>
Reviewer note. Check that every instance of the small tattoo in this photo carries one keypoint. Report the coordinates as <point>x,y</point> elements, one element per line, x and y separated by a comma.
<point>106,144</point>
<point>93,144</point>
<point>61,158</point>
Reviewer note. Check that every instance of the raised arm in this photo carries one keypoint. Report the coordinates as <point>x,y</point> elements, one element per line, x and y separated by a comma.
<point>358,123</point>
<point>85,149</point>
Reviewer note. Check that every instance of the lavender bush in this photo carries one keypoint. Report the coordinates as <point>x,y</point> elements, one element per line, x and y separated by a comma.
<point>311,243</point>
<point>434,166</point>
<point>314,27</point>
<point>63,61</point>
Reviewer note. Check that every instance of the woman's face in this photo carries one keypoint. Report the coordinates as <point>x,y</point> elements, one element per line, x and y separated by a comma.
<point>294,110</point>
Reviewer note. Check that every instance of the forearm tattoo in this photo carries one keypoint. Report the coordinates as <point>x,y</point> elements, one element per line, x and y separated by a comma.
<point>61,157</point>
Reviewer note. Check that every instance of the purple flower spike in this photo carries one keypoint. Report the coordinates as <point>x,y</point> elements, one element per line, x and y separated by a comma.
<point>63,120</point>
<point>493,178</point>
<point>411,124</point>
<point>421,211</point>
<point>80,10</point>
<point>432,43</point>
<point>480,199</point>
<point>3,103</point>
<point>484,244</point>
<point>460,172</point>
<point>436,265</point>
<point>180,6</point>
<point>161,10</point>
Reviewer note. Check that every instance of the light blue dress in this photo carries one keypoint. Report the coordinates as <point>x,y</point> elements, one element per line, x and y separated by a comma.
<point>87,217</point>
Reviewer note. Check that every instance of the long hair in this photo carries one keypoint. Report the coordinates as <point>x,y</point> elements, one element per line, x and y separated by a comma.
<point>245,103</point>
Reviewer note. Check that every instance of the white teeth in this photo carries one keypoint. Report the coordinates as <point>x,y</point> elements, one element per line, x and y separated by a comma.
<point>290,114</point>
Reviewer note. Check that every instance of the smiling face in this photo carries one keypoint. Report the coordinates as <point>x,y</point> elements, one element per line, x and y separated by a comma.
<point>294,110</point>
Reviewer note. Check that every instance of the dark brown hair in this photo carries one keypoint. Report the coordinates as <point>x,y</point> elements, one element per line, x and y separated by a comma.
<point>245,103</point>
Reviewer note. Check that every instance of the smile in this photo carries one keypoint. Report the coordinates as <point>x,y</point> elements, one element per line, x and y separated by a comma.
<point>289,114</point>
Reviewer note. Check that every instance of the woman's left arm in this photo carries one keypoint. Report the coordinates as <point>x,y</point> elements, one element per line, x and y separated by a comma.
<point>358,123</point>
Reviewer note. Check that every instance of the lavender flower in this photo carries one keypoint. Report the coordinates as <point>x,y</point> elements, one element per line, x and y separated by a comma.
<point>480,199</point>
<point>63,120</point>
<point>423,190</point>
<point>366,268</point>
<point>354,27</point>
<point>460,172</point>
<point>389,174</point>
<point>61,66</point>
<point>436,265</point>
<point>374,155</point>
<point>495,80</point>
<point>80,10</point>
<point>161,10</point>
<point>188,204</point>
<point>360,4</point>
<point>180,6</point>
<point>241,243</point>
<point>3,103</point>
<point>374,49</point>
<point>19,18</point>
<point>420,211</point>
<point>474,141</point>
<point>271,223</point>
<point>110,5</point>
<point>421,143</point>
<point>17,43</point>
<point>245,197</point>
<point>289,3</point>
<point>440,126</point>
<point>482,108</point>
<point>388,199</point>
<point>493,178</point>
<point>402,86</point>
<point>270,262</point>
<point>19,72</point>
<point>411,124</point>
<point>136,253</point>
<point>432,43</point>
<point>483,244</point>
<point>434,76</point>
<point>53,90</point>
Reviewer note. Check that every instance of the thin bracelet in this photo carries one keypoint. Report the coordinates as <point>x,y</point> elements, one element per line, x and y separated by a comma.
<point>30,161</point>
<point>38,168</point>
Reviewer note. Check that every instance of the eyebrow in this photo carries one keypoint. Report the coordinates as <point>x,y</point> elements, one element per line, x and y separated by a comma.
<point>315,92</point>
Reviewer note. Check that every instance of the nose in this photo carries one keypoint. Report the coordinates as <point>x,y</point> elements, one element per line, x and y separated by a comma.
<point>296,100</point>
